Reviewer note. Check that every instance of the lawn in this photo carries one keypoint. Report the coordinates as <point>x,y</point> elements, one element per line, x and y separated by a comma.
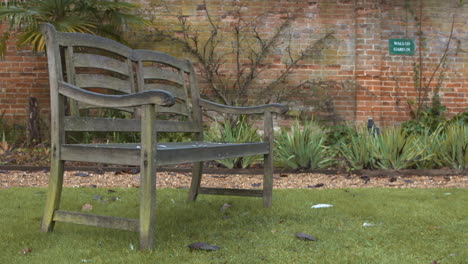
<point>407,226</point>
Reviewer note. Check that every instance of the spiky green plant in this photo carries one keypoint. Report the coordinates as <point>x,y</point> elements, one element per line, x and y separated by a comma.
<point>303,147</point>
<point>454,148</point>
<point>105,18</point>
<point>430,142</point>
<point>240,132</point>
<point>395,149</point>
<point>359,151</point>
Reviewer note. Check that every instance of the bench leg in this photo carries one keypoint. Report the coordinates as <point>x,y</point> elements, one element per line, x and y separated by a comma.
<point>147,178</point>
<point>197,172</point>
<point>147,208</point>
<point>268,180</point>
<point>268,161</point>
<point>53,195</point>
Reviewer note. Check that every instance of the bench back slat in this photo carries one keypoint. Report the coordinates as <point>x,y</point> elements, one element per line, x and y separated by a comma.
<point>124,125</point>
<point>102,81</point>
<point>87,60</point>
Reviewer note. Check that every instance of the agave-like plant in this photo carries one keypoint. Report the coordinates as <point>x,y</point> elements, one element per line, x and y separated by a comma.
<point>454,148</point>
<point>303,147</point>
<point>359,151</point>
<point>430,143</point>
<point>241,132</point>
<point>106,18</point>
<point>395,149</point>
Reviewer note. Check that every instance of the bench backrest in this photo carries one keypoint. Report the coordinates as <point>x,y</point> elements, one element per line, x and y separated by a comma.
<point>106,66</point>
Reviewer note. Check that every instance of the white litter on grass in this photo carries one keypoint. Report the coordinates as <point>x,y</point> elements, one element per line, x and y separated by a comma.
<point>132,247</point>
<point>367,224</point>
<point>447,193</point>
<point>321,206</point>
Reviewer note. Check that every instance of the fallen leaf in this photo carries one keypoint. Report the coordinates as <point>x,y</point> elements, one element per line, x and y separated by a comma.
<point>82,174</point>
<point>365,178</point>
<point>27,251</point>
<point>225,207</point>
<point>98,197</point>
<point>318,185</point>
<point>111,191</point>
<point>87,207</point>
<point>306,237</point>
<point>321,206</point>
<point>435,262</point>
<point>203,246</point>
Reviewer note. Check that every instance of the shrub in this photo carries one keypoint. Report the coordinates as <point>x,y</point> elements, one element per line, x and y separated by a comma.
<point>241,132</point>
<point>302,147</point>
<point>454,147</point>
<point>359,150</point>
<point>395,149</point>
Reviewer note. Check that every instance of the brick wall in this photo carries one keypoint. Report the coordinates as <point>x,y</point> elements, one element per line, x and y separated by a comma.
<point>357,77</point>
<point>22,75</point>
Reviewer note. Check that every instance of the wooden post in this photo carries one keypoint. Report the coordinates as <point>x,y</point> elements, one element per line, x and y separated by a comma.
<point>147,178</point>
<point>268,136</point>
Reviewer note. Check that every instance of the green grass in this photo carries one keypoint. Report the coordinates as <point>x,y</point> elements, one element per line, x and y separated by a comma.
<point>412,226</point>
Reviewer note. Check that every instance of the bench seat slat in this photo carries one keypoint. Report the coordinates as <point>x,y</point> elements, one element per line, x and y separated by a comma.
<point>167,153</point>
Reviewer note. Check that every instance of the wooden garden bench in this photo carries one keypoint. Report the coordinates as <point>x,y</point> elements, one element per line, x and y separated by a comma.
<point>83,69</point>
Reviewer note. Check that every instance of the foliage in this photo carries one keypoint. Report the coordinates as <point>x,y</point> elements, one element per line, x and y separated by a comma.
<point>242,43</point>
<point>454,149</point>
<point>429,143</point>
<point>240,132</point>
<point>359,150</point>
<point>303,147</point>
<point>102,17</point>
<point>407,222</point>
<point>395,149</point>
<point>461,118</point>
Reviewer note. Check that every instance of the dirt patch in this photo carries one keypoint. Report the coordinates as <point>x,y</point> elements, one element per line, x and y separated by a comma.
<point>245,181</point>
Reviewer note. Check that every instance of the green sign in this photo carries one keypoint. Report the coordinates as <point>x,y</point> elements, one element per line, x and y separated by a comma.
<point>401,46</point>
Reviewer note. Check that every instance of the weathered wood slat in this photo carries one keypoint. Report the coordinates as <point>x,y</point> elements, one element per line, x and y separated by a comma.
<point>115,101</point>
<point>233,192</point>
<point>101,81</point>
<point>180,108</point>
<point>167,153</point>
<point>125,125</point>
<point>150,55</point>
<point>177,92</point>
<point>82,105</point>
<point>273,108</point>
<point>101,62</point>
<point>162,74</point>
<point>92,41</point>
<point>97,220</point>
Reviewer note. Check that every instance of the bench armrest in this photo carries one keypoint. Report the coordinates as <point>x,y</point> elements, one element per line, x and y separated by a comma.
<point>156,97</point>
<point>272,108</point>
